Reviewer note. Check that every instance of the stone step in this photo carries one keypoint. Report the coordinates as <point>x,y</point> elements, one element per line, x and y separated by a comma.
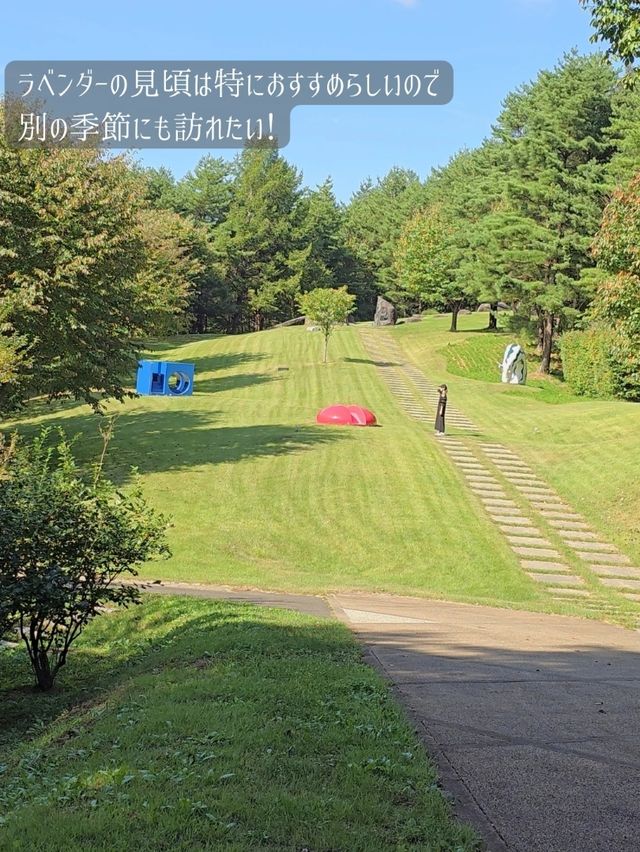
<point>512,464</point>
<point>577,536</point>
<point>561,515</point>
<point>595,546</point>
<point>511,520</point>
<point>529,541</point>
<point>544,566</point>
<point>507,529</point>
<point>615,583</point>
<point>616,571</point>
<point>550,505</point>
<point>499,502</point>
<point>568,525</point>
<point>537,552</point>
<point>632,597</point>
<point>538,499</point>
<point>604,558</point>
<point>556,579</point>
<point>571,593</point>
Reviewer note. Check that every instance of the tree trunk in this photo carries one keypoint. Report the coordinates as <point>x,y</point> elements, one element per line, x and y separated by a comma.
<point>454,317</point>
<point>493,317</point>
<point>547,341</point>
<point>326,347</point>
<point>42,669</point>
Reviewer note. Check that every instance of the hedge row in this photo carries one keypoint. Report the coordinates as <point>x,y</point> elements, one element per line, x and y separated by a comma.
<point>601,363</point>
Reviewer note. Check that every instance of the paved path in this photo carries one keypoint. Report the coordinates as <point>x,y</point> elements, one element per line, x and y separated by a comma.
<point>533,720</point>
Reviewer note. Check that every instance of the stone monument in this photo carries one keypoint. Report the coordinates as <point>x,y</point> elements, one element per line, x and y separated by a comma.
<point>385,313</point>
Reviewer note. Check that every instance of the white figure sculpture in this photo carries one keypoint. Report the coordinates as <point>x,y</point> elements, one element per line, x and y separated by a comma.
<point>514,365</point>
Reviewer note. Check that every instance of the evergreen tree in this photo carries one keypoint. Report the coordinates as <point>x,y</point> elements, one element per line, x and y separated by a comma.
<point>625,135</point>
<point>205,193</point>
<point>374,221</point>
<point>258,245</point>
<point>554,131</point>
<point>468,190</point>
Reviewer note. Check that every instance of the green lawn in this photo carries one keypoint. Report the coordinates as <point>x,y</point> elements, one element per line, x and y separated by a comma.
<point>589,450</point>
<point>185,724</point>
<point>260,496</point>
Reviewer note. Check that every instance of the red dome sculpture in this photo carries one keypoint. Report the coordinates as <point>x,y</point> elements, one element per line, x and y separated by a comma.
<point>346,415</point>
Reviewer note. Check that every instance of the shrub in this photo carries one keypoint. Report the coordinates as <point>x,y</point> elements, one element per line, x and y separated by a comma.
<point>587,362</point>
<point>68,537</point>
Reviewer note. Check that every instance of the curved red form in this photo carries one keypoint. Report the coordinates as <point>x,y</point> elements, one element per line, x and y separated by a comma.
<point>346,415</point>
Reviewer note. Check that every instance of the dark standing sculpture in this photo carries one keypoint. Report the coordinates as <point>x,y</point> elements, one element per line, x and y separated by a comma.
<point>442,407</point>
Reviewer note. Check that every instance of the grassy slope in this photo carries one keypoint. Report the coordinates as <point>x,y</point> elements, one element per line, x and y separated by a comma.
<point>261,496</point>
<point>589,450</point>
<point>188,724</point>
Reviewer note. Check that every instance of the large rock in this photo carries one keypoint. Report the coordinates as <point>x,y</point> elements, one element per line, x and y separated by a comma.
<point>386,313</point>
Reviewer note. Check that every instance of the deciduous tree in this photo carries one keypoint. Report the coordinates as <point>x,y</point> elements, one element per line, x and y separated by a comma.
<point>68,537</point>
<point>327,308</point>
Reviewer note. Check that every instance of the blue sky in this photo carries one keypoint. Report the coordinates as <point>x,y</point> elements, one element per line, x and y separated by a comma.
<point>494,46</point>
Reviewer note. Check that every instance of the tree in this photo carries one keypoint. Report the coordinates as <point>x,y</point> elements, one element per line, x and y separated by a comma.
<point>427,262</point>
<point>326,260</point>
<point>374,220</point>
<point>466,191</point>
<point>327,308</point>
<point>175,249</point>
<point>70,254</point>
<point>624,134</point>
<point>205,194</point>
<point>618,22</point>
<point>555,135</point>
<point>68,538</point>
<point>257,246</point>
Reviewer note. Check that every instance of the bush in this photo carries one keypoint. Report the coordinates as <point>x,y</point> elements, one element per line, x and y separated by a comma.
<point>587,362</point>
<point>625,361</point>
<point>68,537</point>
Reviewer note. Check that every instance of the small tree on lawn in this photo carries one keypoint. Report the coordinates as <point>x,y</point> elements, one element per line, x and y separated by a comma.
<point>327,308</point>
<point>68,537</point>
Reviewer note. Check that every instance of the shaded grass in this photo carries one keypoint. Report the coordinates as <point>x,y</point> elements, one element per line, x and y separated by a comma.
<point>186,724</point>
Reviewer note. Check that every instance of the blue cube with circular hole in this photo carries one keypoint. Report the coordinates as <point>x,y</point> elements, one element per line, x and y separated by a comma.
<point>165,378</point>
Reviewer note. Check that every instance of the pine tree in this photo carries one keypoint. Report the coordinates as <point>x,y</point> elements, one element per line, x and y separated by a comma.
<point>374,221</point>
<point>258,243</point>
<point>554,131</point>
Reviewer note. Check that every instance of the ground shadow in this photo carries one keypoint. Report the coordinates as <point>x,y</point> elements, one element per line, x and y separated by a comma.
<point>371,362</point>
<point>161,441</point>
<point>508,726</point>
<point>178,441</point>
<point>237,381</point>
<point>226,360</point>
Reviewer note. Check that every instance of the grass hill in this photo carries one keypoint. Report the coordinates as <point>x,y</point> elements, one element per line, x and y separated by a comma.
<point>261,496</point>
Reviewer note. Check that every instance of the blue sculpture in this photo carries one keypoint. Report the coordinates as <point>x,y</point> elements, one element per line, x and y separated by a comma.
<point>165,378</point>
